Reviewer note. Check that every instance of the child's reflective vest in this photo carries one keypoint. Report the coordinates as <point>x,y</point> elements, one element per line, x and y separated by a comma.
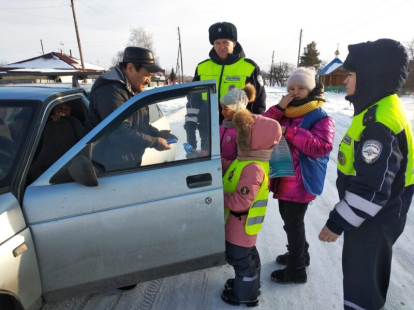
<point>257,210</point>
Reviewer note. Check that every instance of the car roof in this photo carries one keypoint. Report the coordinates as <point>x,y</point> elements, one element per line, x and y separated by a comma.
<point>35,92</point>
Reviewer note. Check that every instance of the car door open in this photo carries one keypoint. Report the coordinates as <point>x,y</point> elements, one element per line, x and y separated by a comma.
<point>147,216</point>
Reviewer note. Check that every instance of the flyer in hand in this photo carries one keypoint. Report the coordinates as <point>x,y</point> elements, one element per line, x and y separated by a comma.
<point>281,161</point>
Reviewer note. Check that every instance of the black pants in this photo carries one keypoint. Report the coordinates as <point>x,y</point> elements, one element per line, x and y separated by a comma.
<point>293,214</point>
<point>366,263</point>
<point>246,264</point>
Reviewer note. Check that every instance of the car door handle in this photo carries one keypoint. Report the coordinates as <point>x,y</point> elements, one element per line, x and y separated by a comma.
<point>199,180</point>
<point>20,249</point>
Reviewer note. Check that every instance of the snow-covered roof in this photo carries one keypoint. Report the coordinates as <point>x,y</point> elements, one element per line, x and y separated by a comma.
<point>331,67</point>
<point>50,62</point>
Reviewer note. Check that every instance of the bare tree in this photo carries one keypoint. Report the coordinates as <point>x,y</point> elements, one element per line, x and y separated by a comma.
<point>281,72</point>
<point>140,38</point>
<point>117,59</point>
<point>409,45</point>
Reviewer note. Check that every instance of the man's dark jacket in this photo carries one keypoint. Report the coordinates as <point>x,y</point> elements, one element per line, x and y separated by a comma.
<point>129,141</point>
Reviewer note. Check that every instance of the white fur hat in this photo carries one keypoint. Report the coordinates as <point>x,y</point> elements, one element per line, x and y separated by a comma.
<point>303,76</point>
<point>236,99</point>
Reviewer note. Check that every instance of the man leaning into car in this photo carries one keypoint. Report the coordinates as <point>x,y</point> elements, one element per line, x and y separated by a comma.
<point>113,89</point>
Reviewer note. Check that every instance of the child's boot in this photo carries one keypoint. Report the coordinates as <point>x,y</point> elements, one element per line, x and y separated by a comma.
<point>282,259</point>
<point>229,297</point>
<point>289,275</point>
<point>230,285</point>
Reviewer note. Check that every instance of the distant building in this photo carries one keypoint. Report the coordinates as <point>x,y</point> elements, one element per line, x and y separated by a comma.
<point>49,63</point>
<point>159,79</point>
<point>333,74</point>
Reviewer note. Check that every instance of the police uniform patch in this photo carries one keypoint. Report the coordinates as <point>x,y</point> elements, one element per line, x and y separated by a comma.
<point>260,80</point>
<point>371,150</point>
<point>228,139</point>
<point>233,79</point>
<point>244,190</point>
<point>341,158</point>
<point>347,140</point>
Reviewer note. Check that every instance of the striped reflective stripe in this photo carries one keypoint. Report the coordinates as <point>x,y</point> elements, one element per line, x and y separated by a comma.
<point>352,305</point>
<point>192,111</point>
<point>362,204</point>
<point>346,212</point>
<point>248,279</point>
<point>259,203</point>
<point>191,119</point>
<point>255,220</point>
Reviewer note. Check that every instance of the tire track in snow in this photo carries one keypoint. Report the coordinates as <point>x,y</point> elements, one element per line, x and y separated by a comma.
<point>150,294</point>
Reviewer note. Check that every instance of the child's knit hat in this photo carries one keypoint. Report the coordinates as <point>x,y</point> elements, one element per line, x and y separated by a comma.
<point>237,99</point>
<point>303,76</point>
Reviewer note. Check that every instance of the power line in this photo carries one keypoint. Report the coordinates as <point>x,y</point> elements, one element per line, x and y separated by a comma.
<point>358,27</point>
<point>106,20</point>
<point>35,8</point>
<point>349,21</point>
<point>20,13</point>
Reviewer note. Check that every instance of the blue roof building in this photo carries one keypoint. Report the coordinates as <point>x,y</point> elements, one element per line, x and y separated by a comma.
<point>333,74</point>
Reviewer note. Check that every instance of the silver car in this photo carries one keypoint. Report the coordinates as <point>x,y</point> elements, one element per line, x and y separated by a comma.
<point>84,224</point>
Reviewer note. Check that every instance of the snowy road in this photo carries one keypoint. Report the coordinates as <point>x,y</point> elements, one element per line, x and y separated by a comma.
<point>202,289</point>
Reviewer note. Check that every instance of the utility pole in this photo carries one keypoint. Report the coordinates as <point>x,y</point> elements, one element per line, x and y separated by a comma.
<point>41,43</point>
<point>271,69</point>
<point>300,42</point>
<point>181,55</point>
<point>77,35</point>
<point>177,67</point>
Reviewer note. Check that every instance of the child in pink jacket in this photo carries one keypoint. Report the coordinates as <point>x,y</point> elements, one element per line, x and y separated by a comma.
<point>309,132</point>
<point>246,191</point>
<point>235,100</point>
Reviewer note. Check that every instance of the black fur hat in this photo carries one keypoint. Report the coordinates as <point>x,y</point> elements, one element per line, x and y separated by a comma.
<point>222,30</point>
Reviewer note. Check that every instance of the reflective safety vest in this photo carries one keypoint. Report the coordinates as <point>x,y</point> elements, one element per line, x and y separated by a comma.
<point>227,76</point>
<point>257,210</point>
<point>389,112</point>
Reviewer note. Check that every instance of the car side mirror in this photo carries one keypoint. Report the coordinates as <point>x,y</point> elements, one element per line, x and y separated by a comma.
<point>81,170</point>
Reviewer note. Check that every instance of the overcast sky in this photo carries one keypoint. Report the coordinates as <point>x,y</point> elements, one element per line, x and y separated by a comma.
<point>263,26</point>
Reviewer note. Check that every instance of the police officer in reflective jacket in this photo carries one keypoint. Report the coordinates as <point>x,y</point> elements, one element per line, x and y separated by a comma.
<point>375,172</point>
<point>229,67</point>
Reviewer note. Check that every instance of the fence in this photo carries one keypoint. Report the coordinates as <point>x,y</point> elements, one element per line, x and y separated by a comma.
<point>336,89</point>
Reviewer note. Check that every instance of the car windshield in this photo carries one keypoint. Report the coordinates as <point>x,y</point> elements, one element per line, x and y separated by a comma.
<point>15,121</point>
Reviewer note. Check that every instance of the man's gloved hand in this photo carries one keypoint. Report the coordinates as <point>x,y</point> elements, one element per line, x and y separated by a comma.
<point>161,145</point>
<point>166,134</point>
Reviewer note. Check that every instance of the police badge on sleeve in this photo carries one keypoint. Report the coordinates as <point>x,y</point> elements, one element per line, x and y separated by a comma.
<point>371,150</point>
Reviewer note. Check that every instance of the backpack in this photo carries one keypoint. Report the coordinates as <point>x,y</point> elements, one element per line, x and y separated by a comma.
<point>313,169</point>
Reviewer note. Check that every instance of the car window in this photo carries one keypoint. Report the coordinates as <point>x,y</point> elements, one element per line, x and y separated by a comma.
<point>15,121</point>
<point>133,143</point>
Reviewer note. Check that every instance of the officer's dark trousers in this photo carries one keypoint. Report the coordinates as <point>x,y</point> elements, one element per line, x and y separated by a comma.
<point>293,215</point>
<point>246,264</point>
<point>366,263</point>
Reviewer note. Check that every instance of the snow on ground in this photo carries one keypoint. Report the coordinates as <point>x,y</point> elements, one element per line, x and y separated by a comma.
<point>202,289</point>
